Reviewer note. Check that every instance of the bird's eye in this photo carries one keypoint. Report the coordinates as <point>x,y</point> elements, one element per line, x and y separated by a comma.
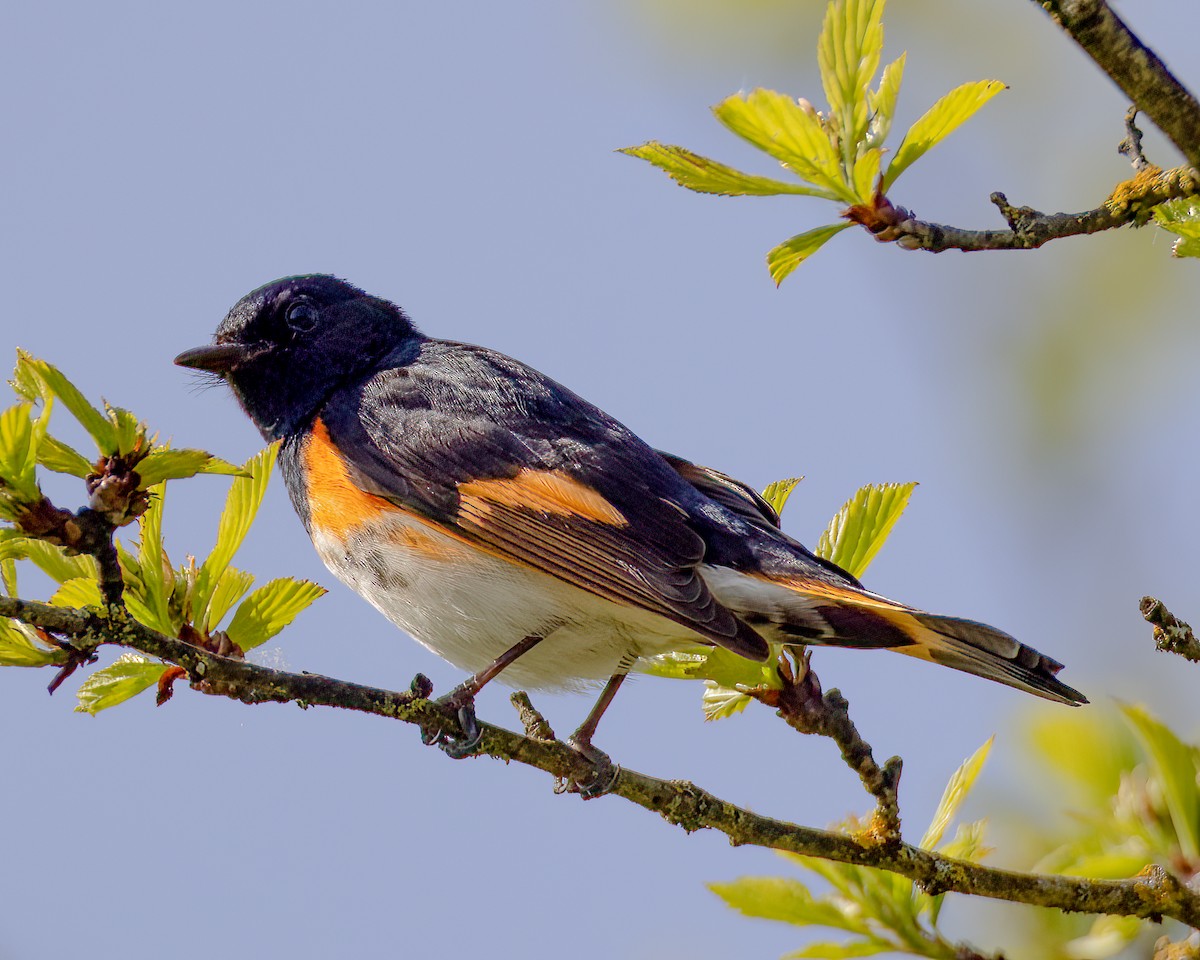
<point>301,316</point>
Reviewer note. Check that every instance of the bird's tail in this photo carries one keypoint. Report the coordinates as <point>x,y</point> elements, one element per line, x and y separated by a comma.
<point>987,652</point>
<point>951,641</point>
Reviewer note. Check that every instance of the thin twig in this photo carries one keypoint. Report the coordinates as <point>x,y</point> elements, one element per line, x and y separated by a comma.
<point>1154,893</point>
<point>1131,146</point>
<point>1134,68</point>
<point>1171,635</point>
<point>1130,202</point>
<point>802,705</point>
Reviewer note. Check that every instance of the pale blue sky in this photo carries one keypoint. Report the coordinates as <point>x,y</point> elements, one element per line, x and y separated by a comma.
<point>162,160</point>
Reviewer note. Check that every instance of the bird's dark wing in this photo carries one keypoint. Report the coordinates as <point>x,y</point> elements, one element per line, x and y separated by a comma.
<point>733,495</point>
<point>497,454</point>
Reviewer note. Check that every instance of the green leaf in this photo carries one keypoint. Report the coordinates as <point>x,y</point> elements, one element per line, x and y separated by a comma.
<point>866,174</point>
<point>863,524</point>
<point>843,877</point>
<point>126,678</point>
<point>676,665</point>
<point>269,609</point>
<point>1089,750</point>
<point>83,592</point>
<point>708,176</point>
<point>786,900</point>
<point>54,561</point>
<point>8,569</point>
<point>165,464</point>
<point>848,53</point>
<point>712,663</point>
<point>883,102</point>
<point>1108,936</point>
<point>1186,247</point>
<point>955,793</point>
<point>793,135</point>
<point>939,121</point>
<point>55,455</point>
<point>720,703</point>
<point>786,257</point>
<point>138,598</point>
<point>1174,765</point>
<point>154,567</point>
<point>18,453</point>
<point>1181,217</point>
<point>777,493</point>
<point>19,647</point>
<point>840,951</point>
<point>231,586</point>
<point>98,426</point>
<point>129,433</point>
<point>1108,866</point>
<point>25,383</point>
<point>245,496</point>
<point>968,842</point>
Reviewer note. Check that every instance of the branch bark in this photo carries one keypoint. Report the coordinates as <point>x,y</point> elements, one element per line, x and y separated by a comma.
<point>1154,893</point>
<point>1130,202</point>
<point>1171,635</point>
<point>1154,90</point>
<point>805,708</point>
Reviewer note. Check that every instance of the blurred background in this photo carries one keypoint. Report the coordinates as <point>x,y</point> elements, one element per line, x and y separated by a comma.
<point>161,160</point>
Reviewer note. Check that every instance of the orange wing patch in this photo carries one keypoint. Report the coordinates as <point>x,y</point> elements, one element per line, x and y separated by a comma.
<point>336,505</point>
<point>542,491</point>
<point>829,591</point>
<point>428,544</point>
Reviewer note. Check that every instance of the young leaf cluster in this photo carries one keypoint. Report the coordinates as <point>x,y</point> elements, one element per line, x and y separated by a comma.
<point>211,603</point>
<point>881,911</point>
<point>837,154</point>
<point>1182,218</point>
<point>851,540</point>
<point>1139,783</point>
<point>20,644</point>
<point>121,443</point>
<point>192,600</point>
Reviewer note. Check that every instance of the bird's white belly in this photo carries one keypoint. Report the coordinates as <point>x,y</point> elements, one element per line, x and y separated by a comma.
<point>469,607</point>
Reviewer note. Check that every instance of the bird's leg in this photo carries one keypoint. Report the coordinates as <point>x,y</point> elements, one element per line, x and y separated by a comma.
<point>462,700</point>
<point>605,772</point>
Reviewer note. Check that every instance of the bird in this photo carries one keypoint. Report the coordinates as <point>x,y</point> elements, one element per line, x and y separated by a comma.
<point>517,530</point>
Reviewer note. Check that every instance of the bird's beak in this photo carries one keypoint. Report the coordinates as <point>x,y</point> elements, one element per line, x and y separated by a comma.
<point>218,357</point>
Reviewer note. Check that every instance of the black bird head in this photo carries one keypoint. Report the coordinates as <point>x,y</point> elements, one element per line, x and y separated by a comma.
<point>285,347</point>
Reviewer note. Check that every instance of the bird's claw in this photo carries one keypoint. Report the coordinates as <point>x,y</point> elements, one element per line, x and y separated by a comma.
<point>455,746</point>
<point>604,772</point>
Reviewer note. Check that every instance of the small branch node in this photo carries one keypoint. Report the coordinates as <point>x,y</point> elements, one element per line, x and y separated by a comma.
<point>1131,146</point>
<point>806,709</point>
<point>536,727</point>
<point>1171,635</point>
<point>1187,949</point>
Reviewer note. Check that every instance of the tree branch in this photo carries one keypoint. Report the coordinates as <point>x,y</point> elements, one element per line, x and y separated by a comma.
<point>803,707</point>
<point>1134,68</point>
<point>1028,229</point>
<point>1154,91</point>
<point>1171,635</point>
<point>1154,893</point>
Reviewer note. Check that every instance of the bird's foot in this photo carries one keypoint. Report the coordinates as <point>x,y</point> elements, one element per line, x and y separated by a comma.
<point>603,775</point>
<point>460,745</point>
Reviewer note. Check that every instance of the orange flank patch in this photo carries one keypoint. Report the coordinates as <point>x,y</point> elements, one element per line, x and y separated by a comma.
<point>542,491</point>
<point>336,505</point>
